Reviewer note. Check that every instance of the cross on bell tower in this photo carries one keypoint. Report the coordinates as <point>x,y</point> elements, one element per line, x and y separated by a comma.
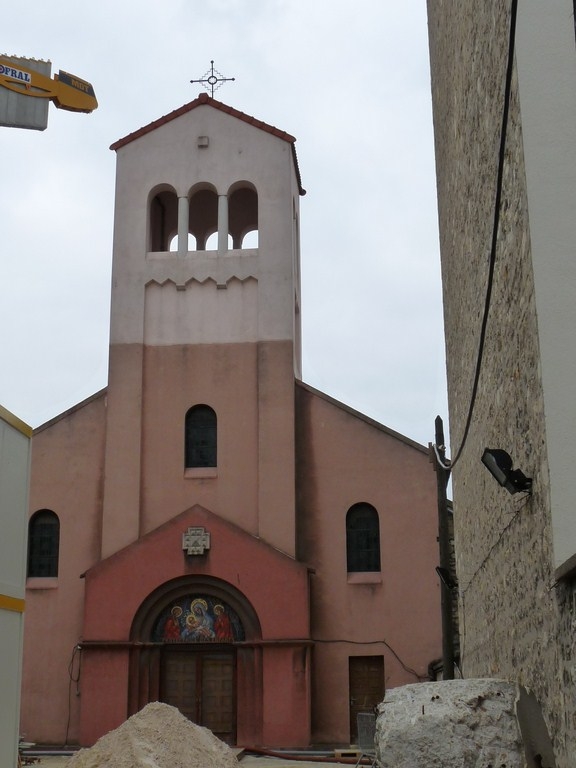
<point>212,79</point>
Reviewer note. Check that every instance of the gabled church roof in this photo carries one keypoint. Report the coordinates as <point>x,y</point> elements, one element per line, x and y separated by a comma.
<point>203,98</point>
<point>362,416</point>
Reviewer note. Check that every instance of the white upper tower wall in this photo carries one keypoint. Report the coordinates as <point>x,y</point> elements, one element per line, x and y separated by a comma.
<point>208,146</point>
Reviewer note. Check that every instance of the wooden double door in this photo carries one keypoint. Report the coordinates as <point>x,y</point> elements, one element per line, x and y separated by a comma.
<point>201,684</point>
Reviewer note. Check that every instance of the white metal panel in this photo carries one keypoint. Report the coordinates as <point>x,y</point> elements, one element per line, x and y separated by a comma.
<point>14,480</point>
<point>21,110</point>
<point>546,62</point>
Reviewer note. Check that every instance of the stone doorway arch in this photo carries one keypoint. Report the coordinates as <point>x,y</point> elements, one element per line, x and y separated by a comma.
<point>193,639</point>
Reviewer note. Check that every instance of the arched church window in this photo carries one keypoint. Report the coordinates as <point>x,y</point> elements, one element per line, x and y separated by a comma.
<point>243,216</point>
<point>173,244</point>
<point>163,220</point>
<point>362,538</point>
<point>250,239</point>
<point>203,216</point>
<point>43,544</point>
<point>212,242</point>
<point>200,437</point>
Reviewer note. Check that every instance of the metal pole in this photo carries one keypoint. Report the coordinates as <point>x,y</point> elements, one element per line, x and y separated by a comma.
<point>442,477</point>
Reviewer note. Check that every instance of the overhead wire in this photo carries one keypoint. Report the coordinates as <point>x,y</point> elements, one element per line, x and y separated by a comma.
<point>378,642</point>
<point>495,227</point>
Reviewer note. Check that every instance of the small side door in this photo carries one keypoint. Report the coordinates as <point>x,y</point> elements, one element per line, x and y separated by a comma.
<point>366,685</point>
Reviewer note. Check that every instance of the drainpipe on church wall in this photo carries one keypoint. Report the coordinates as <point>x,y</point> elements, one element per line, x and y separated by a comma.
<point>437,453</point>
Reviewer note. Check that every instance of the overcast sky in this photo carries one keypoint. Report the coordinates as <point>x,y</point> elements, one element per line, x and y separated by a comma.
<point>349,80</point>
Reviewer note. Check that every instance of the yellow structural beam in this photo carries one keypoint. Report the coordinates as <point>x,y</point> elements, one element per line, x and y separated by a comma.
<point>11,603</point>
<point>66,91</point>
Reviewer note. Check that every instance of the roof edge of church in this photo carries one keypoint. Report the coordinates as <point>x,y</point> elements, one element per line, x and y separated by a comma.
<point>76,407</point>
<point>359,415</point>
<point>174,521</point>
<point>203,98</point>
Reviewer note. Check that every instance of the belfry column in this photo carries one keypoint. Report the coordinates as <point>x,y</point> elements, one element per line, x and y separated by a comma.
<point>222,223</point>
<point>183,213</point>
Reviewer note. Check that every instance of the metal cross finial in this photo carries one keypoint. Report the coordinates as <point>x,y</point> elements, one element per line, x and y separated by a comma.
<point>210,80</point>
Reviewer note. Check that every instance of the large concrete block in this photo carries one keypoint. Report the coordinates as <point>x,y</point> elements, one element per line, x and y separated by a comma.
<point>450,724</point>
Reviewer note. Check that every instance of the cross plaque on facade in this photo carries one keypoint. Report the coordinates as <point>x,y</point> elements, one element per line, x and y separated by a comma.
<point>195,541</point>
<point>212,79</point>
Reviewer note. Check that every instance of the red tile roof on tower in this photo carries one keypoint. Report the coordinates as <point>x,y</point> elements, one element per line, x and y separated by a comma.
<point>203,98</point>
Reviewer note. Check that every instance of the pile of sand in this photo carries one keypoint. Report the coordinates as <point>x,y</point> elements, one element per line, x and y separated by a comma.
<point>157,737</point>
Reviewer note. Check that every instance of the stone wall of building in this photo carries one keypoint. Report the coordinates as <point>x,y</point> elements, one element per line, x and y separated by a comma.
<point>515,621</point>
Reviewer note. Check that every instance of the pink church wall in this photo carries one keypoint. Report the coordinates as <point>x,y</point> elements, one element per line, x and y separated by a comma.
<point>346,458</point>
<point>251,388</point>
<point>286,695</point>
<point>259,572</point>
<point>67,469</point>
<point>176,378</point>
<point>104,692</point>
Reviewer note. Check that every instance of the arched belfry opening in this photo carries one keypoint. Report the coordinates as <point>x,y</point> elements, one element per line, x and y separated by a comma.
<point>162,218</point>
<point>203,215</point>
<point>194,645</point>
<point>204,219</point>
<point>242,213</point>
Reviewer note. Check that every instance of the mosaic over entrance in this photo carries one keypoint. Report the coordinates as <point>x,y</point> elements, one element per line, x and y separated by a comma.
<point>198,619</point>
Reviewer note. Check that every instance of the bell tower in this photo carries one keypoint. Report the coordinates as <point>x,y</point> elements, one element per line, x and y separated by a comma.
<point>205,328</point>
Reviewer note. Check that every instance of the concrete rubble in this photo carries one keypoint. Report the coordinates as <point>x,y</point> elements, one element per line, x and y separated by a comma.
<point>450,724</point>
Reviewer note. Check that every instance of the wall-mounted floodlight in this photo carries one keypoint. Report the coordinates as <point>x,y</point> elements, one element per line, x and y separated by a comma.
<point>446,578</point>
<point>499,464</point>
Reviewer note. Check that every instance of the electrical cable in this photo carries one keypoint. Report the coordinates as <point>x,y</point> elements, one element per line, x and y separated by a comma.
<point>72,678</point>
<point>497,205</point>
<point>404,666</point>
<point>465,589</point>
<point>524,499</point>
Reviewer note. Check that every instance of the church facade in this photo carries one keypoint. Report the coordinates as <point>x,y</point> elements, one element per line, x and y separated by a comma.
<point>208,530</point>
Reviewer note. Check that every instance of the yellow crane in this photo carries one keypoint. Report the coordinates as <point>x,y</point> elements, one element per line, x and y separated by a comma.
<point>66,91</point>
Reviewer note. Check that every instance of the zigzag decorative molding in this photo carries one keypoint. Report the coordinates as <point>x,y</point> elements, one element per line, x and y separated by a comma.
<point>183,286</point>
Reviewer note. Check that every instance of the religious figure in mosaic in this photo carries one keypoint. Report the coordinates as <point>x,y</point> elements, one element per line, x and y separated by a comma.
<point>199,623</point>
<point>198,619</point>
<point>222,625</point>
<point>172,627</point>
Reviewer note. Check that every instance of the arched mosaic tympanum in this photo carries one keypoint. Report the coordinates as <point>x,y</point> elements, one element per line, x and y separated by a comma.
<point>191,637</point>
<point>198,618</point>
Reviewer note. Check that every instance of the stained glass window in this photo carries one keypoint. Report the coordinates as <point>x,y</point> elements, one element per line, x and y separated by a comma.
<point>362,538</point>
<point>43,544</point>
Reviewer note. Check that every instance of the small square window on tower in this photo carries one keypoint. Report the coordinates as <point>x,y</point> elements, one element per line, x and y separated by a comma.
<point>203,142</point>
